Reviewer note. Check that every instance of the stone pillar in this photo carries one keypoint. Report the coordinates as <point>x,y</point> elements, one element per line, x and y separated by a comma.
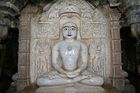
<point>23,53</point>
<point>117,72</point>
<point>24,47</point>
<point>118,78</point>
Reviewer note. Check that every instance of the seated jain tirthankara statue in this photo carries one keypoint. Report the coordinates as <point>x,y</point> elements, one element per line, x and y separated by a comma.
<point>70,69</point>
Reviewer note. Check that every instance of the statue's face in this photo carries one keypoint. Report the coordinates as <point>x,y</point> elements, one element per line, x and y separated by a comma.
<point>69,31</point>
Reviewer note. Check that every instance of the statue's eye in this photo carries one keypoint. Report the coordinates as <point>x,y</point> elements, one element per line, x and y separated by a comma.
<point>73,28</point>
<point>65,29</point>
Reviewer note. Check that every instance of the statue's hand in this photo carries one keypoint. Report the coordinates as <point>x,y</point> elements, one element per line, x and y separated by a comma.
<point>79,78</point>
<point>72,74</point>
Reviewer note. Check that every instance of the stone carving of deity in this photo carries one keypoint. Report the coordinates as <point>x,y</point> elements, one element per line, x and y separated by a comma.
<point>70,70</point>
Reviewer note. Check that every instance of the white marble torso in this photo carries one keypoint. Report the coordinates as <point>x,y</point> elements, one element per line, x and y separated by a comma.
<point>69,52</point>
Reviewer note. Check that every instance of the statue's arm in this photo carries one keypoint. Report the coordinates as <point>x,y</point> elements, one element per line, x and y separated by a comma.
<point>84,56</point>
<point>55,60</point>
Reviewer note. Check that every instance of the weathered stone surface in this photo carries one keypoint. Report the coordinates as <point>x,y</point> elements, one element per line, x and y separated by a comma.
<point>115,33</point>
<point>71,89</point>
<point>85,89</point>
<point>23,46</point>
<point>116,45</point>
<point>116,58</point>
<point>117,71</point>
<point>119,83</point>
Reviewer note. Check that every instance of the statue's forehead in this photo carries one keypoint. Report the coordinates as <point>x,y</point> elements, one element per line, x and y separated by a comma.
<point>69,25</point>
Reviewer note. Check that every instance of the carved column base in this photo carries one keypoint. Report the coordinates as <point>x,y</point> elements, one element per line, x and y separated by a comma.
<point>21,84</point>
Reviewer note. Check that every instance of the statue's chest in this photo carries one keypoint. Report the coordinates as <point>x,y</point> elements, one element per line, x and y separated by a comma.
<point>70,50</point>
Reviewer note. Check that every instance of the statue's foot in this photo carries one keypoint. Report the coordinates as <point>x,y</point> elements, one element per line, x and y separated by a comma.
<point>43,82</point>
<point>94,81</point>
<point>54,82</point>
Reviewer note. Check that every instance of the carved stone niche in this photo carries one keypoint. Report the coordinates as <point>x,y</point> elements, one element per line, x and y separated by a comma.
<point>94,28</point>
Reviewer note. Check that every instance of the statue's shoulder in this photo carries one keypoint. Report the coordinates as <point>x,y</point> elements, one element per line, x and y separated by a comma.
<point>59,43</point>
<point>81,43</point>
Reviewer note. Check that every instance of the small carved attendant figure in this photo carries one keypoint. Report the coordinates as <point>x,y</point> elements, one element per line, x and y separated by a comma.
<point>70,70</point>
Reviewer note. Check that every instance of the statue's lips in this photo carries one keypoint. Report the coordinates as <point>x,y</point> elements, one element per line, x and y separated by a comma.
<point>69,35</point>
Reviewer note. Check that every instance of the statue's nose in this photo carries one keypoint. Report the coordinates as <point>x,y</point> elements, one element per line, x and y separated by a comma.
<point>69,32</point>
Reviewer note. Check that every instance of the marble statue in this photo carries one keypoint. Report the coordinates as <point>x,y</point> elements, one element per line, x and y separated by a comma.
<point>74,59</point>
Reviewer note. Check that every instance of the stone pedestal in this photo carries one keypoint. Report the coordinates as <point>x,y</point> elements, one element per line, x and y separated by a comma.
<point>73,88</point>
<point>76,88</point>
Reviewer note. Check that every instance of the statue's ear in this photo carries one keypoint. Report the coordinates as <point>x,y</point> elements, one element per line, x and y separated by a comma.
<point>61,35</point>
<point>78,35</point>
